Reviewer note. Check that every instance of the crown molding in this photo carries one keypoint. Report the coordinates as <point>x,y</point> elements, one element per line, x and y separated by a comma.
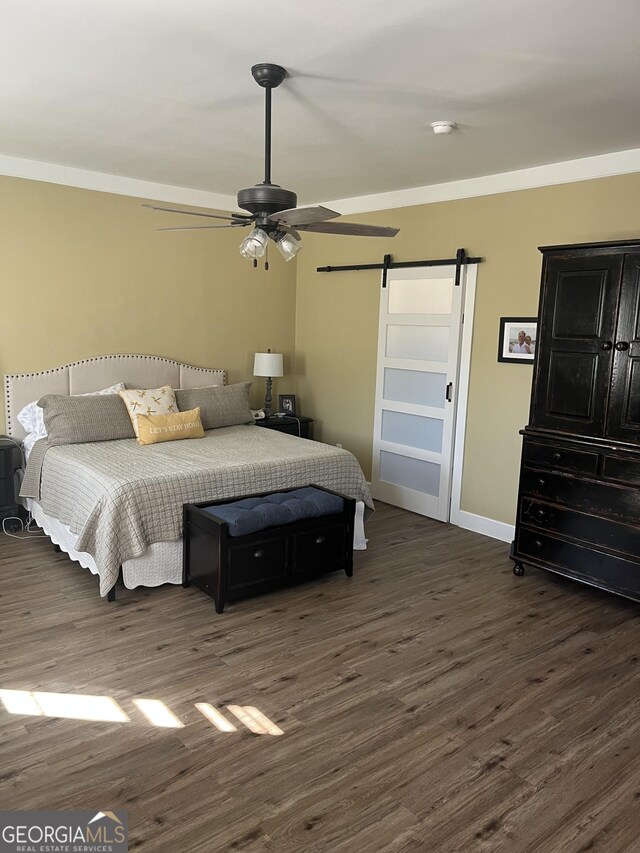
<point>34,170</point>
<point>569,171</point>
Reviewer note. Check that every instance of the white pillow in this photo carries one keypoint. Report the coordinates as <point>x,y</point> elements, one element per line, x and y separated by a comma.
<point>31,417</point>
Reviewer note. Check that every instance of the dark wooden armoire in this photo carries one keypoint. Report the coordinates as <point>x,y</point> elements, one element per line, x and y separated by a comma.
<point>579,497</point>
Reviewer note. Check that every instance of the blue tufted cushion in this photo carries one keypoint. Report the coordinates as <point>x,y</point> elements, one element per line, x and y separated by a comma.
<point>251,514</point>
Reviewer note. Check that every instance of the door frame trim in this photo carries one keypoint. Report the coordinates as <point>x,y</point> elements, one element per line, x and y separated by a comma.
<point>464,371</point>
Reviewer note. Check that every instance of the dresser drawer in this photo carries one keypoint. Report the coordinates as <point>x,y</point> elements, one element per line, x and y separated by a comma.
<point>602,532</point>
<point>558,456</point>
<point>619,503</point>
<point>625,469</point>
<point>318,548</point>
<point>258,562</point>
<point>583,563</point>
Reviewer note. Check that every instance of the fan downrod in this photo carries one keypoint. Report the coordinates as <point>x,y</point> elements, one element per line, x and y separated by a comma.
<point>267,198</point>
<point>268,75</point>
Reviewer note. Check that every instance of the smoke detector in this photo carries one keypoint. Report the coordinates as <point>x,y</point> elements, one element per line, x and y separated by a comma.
<point>443,126</point>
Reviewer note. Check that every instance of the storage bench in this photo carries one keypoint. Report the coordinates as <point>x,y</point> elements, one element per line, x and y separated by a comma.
<point>225,565</point>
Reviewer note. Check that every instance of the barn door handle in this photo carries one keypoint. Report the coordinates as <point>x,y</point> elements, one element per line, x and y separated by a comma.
<point>448,392</point>
<point>621,346</point>
<point>606,345</point>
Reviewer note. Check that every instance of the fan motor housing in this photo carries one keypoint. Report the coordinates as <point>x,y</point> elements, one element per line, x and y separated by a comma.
<point>267,199</point>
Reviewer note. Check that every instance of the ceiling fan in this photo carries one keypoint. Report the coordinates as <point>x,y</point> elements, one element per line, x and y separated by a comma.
<point>272,210</point>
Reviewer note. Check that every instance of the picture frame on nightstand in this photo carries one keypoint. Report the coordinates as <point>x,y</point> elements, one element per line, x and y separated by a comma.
<point>287,403</point>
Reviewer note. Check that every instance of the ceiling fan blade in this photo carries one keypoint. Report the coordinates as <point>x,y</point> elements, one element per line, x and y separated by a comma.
<point>204,227</point>
<point>354,229</point>
<point>232,218</point>
<point>303,215</point>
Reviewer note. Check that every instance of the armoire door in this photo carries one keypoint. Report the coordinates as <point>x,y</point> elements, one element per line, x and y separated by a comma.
<point>624,407</point>
<point>575,344</point>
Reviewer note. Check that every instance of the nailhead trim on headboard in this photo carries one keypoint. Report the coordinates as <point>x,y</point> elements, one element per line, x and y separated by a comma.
<point>12,376</point>
<point>6,406</point>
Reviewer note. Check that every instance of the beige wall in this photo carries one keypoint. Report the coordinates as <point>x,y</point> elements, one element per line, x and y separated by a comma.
<point>337,314</point>
<point>85,273</point>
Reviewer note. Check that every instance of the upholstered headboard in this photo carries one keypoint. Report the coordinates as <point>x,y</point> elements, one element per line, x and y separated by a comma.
<point>91,374</point>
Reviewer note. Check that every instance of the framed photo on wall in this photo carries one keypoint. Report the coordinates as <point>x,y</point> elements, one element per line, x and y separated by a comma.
<point>518,339</point>
<point>287,403</point>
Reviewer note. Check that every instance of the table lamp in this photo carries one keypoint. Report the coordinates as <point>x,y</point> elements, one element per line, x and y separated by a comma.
<point>268,364</point>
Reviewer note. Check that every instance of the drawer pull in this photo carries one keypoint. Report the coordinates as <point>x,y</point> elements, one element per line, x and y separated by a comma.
<point>557,456</point>
<point>538,543</point>
<point>606,345</point>
<point>541,513</point>
<point>622,346</point>
<point>320,540</point>
<point>259,553</point>
<point>542,481</point>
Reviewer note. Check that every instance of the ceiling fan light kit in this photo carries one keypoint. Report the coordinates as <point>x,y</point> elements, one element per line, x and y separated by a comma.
<point>254,244</point>
<point>287,245</point>
<point>272,209</point>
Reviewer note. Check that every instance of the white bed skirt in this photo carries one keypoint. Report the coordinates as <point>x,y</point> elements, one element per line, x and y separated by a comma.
<point>160,563</point>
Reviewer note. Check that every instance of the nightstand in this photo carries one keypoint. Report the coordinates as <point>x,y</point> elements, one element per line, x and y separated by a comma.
<point>289,425</point>
<point>10,461</point>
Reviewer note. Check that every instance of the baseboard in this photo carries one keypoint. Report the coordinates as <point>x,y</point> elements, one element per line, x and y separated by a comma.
<point>486,526</point>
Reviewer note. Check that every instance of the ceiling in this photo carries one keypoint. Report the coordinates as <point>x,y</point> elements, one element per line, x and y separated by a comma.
<point>162,91</point>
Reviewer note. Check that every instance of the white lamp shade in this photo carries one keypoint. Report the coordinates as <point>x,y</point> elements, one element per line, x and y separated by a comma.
<point>268,364</point>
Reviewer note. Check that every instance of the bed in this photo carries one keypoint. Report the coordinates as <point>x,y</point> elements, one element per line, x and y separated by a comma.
<point>115,507</point>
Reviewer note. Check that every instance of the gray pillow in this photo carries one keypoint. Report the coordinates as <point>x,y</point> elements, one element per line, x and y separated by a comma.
<point>220,405</point>
<point>75,420</point>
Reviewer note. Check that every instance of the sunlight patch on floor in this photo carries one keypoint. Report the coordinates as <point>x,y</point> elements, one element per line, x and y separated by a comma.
<point>158,714</point>
<point>79,706</point>
<point>20,702</point>
<point>214,716</point>
<point>255,720</point>
<point>72,706</point>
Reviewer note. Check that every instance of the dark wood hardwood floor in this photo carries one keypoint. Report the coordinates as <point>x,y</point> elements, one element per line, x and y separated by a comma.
<point>434,702</point>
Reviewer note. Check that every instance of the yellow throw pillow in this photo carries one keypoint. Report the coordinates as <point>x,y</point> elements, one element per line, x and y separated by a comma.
<point>149,401</point>
<point>155,428</point>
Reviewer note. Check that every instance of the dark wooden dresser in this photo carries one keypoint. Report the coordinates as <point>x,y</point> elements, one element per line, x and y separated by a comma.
<point>579,496</point>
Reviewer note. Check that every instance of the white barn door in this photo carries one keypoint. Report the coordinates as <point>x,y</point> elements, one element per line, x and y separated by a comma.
<point>416,389</point>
